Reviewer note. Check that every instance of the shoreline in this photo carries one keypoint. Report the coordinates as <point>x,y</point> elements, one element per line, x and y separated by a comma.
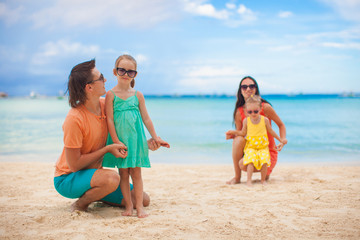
<point>190,202</point>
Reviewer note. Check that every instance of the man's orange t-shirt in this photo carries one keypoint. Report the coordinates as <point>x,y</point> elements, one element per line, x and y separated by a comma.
<point>85,130</point>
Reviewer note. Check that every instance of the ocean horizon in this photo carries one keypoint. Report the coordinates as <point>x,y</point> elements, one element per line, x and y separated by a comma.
<point>320,127</point>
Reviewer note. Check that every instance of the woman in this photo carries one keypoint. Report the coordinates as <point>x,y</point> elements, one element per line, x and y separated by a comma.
<point>78,172</point>
<point>248,87</point>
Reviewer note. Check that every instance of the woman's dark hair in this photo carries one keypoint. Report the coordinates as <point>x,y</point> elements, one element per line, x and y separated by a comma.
<point>240,98</point>
<point>79,76</point>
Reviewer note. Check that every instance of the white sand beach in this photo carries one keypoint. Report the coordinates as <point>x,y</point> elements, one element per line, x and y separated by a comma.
<point>190,202</point>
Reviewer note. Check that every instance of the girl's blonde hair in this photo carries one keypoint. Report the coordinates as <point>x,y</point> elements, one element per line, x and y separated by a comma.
<point>130,58</point>
<point>253,99</point>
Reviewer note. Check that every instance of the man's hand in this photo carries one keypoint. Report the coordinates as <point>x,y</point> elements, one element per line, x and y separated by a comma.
<point>118,150</point>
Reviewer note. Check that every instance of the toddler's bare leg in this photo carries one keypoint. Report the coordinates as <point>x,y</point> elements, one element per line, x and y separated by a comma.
<point>263,173</point>
<point>250,170</point>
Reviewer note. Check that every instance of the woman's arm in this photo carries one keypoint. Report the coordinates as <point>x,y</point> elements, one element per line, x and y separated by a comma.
<point>272,115</point>
<point>77,161</point>
<point>238,121</point>
<point>270,130</point>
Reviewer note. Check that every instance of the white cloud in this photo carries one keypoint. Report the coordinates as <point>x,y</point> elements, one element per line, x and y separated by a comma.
<point>232,16</point>
<point>205,9</point>
<point>135,13</point>
<point>210,79</point>
<point>52,54</point>
<point>10,15</point>
<point>351,45</point>
<point>348,9</point>
<point>230,5</point>
<point>63,49</point>
<point>281,48</point>
<point>285,14</point>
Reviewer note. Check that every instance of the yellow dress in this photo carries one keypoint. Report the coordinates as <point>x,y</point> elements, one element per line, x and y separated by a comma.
<point>256,149</point>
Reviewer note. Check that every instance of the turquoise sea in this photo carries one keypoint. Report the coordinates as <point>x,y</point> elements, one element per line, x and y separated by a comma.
<point>320,128</point>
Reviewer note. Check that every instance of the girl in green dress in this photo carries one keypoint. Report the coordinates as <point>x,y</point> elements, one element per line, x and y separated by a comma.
<point>126,112</point>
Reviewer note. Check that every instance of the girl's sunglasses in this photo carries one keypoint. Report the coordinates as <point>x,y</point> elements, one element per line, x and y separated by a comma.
<point>255,111</point>
<point>251,86</point>
<point>130,73</point>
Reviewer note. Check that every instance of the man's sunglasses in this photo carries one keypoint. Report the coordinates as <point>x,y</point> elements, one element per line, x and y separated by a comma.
<point>255,111</point>
<point>130,73</point>
<point>101,78</point>
<point>251,86</point>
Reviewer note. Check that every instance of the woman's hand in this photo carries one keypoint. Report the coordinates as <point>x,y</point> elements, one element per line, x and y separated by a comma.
<point>118,150</point>
<point>281,144</point>
<point>231,134</point>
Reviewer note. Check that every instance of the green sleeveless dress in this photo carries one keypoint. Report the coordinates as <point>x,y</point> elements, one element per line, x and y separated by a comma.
<point>130,131</point>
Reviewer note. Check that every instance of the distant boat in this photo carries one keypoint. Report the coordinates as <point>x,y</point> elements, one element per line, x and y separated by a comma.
<point>61,95</point>
<point>3,95</point>
<point>33,95</point>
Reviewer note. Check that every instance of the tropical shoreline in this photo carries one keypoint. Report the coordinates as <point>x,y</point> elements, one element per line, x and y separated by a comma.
<point>301,201</point>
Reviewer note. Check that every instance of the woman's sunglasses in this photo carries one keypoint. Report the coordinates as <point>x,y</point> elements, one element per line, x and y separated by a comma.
<point>130,73</point>
<point>101,78</point>
<point>251,86</point>
<point>250,111</point>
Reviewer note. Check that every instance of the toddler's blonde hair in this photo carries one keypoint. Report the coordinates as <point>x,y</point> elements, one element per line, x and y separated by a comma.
<point>253,99</point>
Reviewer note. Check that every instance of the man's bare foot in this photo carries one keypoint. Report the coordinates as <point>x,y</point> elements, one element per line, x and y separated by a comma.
<point>264,183</point>
<point>249,183</point>
<point>233,181</point>
<point>76,207</point>
<point>141,212</point>
<point>128,211</point>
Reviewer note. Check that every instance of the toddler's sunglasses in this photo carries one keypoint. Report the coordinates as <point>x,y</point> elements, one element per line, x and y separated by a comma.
<point>251,86</point>
<point>130,73</point>
<point>255,111</point>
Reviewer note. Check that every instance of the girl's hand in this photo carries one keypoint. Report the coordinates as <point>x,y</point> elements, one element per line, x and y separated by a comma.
<point>152,145</point>
<point>231,134</point>
<point>279,147</point>
<point>162,143</point>
<point>118,150</point>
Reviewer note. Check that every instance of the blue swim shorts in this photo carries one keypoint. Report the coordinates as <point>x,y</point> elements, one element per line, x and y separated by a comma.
<point>75,184</point>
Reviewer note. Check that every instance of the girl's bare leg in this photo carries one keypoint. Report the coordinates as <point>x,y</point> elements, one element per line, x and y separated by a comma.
<point>125,189</point>
<point>237,153</point>
<point>263,173</point>
<point>250,170</point>
<point>138,189</point>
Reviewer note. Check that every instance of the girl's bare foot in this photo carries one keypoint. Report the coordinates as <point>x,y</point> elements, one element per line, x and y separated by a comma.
<point>233,181</point>
<point>141,212</point>
<point>264,183</point>
<point>128,210</point>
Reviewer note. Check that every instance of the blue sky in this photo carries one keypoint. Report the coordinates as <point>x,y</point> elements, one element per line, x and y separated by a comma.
<point>183,46</point>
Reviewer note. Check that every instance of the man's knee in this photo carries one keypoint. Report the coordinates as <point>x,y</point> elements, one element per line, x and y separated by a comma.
<point>108,179</point>
<point>146,199</point>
